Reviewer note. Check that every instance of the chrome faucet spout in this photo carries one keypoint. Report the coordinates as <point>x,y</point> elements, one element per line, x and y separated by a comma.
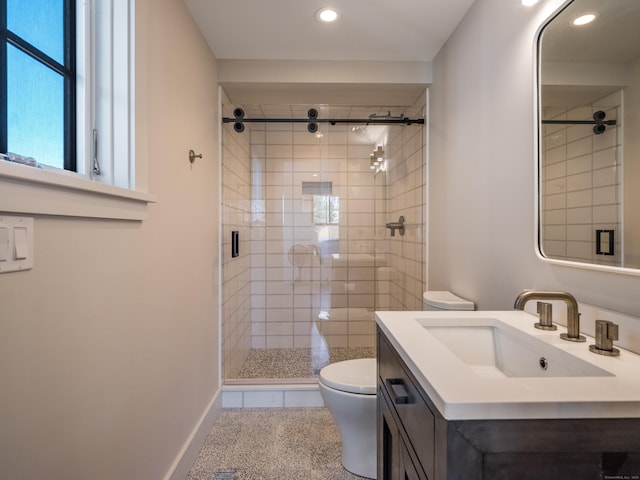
<point>573,316</point>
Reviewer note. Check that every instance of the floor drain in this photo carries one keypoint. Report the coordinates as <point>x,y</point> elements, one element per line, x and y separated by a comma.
<point>225,474</point>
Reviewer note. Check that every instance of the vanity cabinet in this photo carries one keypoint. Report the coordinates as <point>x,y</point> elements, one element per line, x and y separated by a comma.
<point>397,460</point>
<point>415,442</point>
<point>405,421</point>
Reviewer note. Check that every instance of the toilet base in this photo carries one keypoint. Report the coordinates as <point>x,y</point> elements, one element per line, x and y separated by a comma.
<point>355,416</point>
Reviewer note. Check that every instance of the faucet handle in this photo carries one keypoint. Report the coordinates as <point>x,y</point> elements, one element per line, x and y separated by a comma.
<point>612,331</point>
<point>546,316</point>
<point>606,333</point>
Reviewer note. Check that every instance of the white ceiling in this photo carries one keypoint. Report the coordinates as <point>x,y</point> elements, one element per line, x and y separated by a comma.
<point>387,30</point>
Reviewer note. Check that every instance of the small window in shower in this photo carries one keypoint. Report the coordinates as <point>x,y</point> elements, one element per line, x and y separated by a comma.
<point>326,210</point>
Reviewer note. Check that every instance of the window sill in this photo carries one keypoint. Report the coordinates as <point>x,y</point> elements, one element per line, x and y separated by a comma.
<point>29,190</point>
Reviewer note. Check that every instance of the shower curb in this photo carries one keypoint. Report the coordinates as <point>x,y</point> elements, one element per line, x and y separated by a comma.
<point>271,396</point>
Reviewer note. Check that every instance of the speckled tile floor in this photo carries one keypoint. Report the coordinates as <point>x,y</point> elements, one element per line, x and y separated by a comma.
<point>297,362</point>
<point>272,444</point>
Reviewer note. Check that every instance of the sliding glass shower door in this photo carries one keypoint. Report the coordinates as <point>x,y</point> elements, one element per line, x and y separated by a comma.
<point>315,259</point>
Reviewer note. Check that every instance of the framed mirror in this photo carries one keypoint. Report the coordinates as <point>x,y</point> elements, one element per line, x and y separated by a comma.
<point>589,135</point>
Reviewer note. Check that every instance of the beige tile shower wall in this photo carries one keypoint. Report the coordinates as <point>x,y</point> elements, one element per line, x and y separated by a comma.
<point>406,146</point>
<point>382,239</point>
<point>236,272</point>
<point>295,277</point>
<point>581,184</point>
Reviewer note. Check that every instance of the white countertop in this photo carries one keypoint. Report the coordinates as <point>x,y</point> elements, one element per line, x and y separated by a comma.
<point>461,394</point>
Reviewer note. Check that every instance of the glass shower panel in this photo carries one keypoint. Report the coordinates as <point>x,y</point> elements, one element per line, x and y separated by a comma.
<point>383,269</point>
<point>406,198</point>
<point>237,210</point>
<point>320,259</point>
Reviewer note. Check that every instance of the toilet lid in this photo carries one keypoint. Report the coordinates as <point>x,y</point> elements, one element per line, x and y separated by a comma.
<point>353,376</point>
<point>444,300</point>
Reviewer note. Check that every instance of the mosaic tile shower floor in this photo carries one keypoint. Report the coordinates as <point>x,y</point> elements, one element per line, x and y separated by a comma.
<point>272,444</point>
<point>296,362</point>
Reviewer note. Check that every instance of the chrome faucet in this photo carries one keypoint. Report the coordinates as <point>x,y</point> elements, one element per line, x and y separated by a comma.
<point>573,316</point>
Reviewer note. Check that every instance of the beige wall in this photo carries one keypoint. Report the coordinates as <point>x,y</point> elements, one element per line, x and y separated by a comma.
<point>481,216</point>
<point>109,346</point>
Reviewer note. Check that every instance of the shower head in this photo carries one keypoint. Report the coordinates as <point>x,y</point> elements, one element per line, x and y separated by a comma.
<point>388,116</point>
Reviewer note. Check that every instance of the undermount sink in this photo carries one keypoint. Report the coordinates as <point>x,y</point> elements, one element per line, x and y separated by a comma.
<point>496,365</point>
<point>494,351</point>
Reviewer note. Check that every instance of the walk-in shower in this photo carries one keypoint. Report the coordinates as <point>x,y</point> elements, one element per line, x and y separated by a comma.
<point>306,211</point>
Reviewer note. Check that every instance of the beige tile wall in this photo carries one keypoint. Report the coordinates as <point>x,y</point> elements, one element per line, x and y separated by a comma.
<point>292,290</point>
<point>236,272</point>
<point>297,289</point>
<point>407,198</point>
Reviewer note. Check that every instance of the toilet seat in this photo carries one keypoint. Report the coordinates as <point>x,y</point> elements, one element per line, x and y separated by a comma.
<point>352,376</point>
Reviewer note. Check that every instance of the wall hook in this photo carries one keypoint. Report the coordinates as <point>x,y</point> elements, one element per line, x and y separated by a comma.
<point>193,156</point>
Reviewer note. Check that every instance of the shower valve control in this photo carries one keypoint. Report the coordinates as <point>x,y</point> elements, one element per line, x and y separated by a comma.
<point>393,226</point>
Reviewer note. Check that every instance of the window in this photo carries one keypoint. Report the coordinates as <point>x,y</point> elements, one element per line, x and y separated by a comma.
<point>66,80</point>
<point>326,210</point>
<point>39,39</point>
<point>38,80</point>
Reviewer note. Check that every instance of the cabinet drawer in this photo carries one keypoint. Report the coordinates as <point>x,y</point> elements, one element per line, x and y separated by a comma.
<point>414,414</point>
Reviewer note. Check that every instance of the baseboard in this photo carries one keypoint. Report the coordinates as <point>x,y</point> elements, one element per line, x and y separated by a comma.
<point>182,464</point>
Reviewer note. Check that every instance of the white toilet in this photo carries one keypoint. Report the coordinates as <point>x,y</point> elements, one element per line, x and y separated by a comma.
<point>349,392</point>
<point>443,300</point>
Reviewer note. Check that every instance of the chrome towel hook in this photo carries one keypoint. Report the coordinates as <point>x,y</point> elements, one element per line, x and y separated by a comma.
<point>193,156</point>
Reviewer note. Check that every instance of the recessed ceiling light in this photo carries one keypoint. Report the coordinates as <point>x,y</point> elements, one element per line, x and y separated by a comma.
<point>327,15</point>
<point>529,3</point>
<point>584,19</point>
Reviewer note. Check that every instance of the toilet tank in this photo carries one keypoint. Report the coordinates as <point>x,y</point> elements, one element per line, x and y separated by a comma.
<point>443,300</point>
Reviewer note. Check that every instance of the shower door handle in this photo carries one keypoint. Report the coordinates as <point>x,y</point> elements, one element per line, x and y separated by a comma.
<point>235,243</point>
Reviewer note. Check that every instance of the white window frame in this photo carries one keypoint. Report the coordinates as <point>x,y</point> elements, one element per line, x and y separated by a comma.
<point>105,100</point>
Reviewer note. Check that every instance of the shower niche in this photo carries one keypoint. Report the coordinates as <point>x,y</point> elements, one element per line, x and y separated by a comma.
<point>315,257</point>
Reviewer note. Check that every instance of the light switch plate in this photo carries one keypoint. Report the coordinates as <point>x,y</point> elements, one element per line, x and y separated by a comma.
<point>17,247</point>
<point>4,244</point>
